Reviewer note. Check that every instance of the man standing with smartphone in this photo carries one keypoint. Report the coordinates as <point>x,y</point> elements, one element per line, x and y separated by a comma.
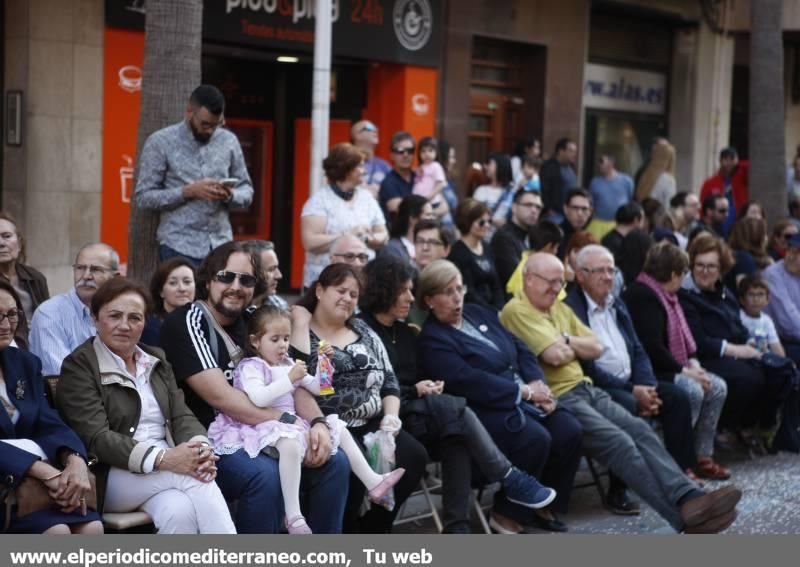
<point>194,173</point>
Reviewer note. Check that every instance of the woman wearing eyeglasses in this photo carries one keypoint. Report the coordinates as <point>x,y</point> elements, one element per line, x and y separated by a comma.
<point>712,312</point>
<point>123,401</point>
<point>473,255</point>
<point>30,284</point>
<point>35,445</point>
<point>339,208</point>
<point>478,359</point>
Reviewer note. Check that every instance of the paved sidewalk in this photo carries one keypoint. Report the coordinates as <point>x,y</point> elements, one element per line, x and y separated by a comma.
<point>770,503</point>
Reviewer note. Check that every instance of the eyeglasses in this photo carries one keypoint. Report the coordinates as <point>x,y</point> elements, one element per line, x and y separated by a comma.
<point>554,283</point>
<point>12,316</point>
<point>452,292</point>
<point>368,127</point>
<point>403,151</point>
<point>710,268</point>
<point>756,295</point>
<point>350,257</point>
<point>226,277</point>
<point>432,242</point>
<point>94,270</point>
<point>484,222</point>
<point>604,271</point>
<point>580,208</point>
<point>788,235</point>
<point>205,125</point>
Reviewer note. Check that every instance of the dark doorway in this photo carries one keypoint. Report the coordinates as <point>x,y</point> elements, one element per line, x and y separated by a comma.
<point>506,96</point>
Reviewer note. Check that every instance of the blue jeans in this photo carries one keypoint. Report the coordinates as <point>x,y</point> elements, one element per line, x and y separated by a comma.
<point>256,484</point>
<point>165,253</point>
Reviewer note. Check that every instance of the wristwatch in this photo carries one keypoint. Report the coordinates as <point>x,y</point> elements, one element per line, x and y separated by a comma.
<point>566,337</point>
<point>317,420</point>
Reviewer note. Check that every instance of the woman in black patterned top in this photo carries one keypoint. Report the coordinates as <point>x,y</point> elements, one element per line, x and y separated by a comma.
<point>367,395</point>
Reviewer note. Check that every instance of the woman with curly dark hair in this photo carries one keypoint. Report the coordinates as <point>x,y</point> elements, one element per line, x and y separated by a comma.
<point>449,430</point>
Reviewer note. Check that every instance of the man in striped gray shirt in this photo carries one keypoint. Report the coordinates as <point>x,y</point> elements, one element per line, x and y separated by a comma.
<point>63,322</point>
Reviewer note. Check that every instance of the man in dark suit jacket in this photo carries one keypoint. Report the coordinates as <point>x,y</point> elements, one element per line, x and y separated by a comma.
<point>624,369</point>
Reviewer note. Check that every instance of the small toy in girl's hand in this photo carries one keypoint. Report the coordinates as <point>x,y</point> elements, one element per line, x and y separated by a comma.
<point>325,369</point>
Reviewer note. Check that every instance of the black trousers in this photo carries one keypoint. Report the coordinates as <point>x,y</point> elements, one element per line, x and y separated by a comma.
<point>754,393</point>
<point>675,417</point>
<point>458,454</point>
<point>409,454</point>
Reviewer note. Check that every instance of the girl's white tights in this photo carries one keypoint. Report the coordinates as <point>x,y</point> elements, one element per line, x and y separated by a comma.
<point>291,460</point>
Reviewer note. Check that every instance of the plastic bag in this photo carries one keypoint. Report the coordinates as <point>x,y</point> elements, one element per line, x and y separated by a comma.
<point>380,447</point>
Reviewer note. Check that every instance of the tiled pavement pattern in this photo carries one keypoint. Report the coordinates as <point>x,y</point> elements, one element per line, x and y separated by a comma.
<point>770,504</point>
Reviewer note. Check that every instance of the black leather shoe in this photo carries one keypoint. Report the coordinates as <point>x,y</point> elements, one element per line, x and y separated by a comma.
<point>551,524</point>
<point>620,503</point>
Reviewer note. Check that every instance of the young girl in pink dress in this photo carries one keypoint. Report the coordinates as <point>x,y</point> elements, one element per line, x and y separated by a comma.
<point>269,379</point>
<point>430,179</point>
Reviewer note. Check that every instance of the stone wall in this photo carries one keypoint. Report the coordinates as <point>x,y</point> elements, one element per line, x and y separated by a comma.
<point>54,54</point>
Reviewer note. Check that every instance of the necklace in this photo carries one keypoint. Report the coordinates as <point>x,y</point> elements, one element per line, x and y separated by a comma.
<point>385,331</point>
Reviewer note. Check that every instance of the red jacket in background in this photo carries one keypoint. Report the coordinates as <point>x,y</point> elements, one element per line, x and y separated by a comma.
<point>715,185</point>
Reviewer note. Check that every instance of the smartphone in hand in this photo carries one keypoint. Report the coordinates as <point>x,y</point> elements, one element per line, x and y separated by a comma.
<point>229,182</point>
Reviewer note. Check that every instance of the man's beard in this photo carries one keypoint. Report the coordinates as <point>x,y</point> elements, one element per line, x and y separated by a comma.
<point>230,312</point>
<point>199,136</point>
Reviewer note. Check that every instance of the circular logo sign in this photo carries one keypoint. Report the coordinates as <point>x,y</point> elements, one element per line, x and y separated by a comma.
<point>413,22</point>
<point>419,104</point>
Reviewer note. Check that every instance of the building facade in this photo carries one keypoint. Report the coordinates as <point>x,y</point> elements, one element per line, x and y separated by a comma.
<point>609,74</point>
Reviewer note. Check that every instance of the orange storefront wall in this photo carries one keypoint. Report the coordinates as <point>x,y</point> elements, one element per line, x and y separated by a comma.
<point>123,60</point>
<point>401,97</point>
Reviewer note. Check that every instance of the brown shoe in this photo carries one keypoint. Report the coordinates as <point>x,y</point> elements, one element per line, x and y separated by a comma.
<point>714,525</point>
<point>712,504</point>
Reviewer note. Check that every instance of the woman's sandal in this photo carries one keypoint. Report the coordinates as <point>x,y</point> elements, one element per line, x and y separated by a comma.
<point>297,526</point>
<point>707,468</point>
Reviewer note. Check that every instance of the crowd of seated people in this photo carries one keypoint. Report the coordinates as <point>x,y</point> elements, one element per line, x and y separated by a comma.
<point>505,347</point>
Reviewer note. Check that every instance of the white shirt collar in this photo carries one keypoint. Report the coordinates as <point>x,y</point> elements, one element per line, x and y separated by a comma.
<point>142,359</point>
<point>594,307</point>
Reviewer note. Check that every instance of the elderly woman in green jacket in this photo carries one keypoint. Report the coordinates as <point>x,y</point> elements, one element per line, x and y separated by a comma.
<point>124,403</point>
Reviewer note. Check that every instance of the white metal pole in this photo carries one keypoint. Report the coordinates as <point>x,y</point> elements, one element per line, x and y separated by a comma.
<point>320,105</point>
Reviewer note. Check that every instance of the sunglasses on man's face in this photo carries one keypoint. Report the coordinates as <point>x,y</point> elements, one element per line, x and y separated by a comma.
<point>403,151</point>
<point>368,127</point>
<point>226,277</point>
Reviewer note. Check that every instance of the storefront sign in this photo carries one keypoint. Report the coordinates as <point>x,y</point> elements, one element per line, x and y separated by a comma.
<point>617,88</point>
<point>395,31</point>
